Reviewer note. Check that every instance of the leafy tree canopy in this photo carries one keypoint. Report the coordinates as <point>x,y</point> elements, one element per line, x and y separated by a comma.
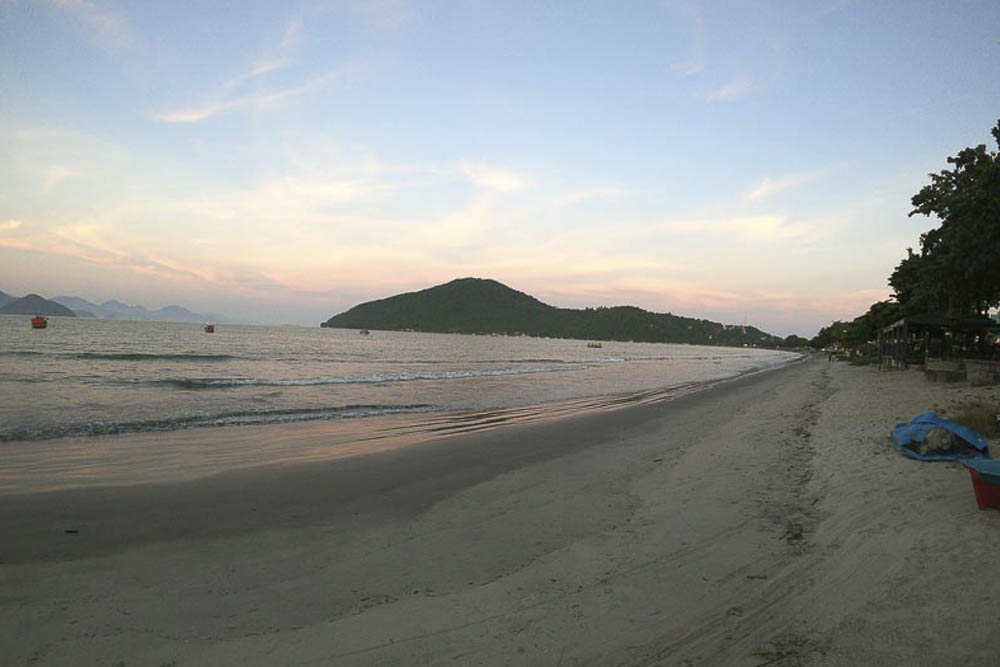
<point>957,271</point>
<point>862,329</point>
<point>958,268</point>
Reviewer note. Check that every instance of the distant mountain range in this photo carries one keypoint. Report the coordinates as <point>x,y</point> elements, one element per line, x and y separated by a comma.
<point>480,306</point>
<point>74,306</point>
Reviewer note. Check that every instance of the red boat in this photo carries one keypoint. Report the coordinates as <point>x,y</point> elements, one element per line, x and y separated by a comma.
<point>39,322</point>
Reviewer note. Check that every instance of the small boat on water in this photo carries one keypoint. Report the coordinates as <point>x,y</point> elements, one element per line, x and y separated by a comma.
<point>364,332</point>
<point>209,328</point>
<point>594,345</point>
<point>39,322</point>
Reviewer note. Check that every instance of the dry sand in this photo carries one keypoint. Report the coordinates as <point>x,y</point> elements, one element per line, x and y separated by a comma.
<point>767,521</point>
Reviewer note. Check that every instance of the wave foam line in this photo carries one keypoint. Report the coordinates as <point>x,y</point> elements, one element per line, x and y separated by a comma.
<point>122,356</point>
<point>242,418</point>
<point>376,378</point>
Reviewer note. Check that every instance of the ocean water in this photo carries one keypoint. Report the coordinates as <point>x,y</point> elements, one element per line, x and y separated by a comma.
<point>90,378</point>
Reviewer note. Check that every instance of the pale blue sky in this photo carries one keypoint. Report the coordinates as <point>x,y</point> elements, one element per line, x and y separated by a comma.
<point>281,162</point>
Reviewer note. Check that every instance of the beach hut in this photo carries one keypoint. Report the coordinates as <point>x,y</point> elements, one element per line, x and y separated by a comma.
<point>943,345</point>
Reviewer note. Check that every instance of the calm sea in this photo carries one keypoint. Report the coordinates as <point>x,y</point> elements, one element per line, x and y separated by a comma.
<point>84,377</point>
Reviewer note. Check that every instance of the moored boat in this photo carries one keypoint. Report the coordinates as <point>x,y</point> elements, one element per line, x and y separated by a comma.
<point>39,322</point>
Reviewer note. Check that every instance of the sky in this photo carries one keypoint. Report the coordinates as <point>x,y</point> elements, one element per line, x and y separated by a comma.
<point>281,162</point>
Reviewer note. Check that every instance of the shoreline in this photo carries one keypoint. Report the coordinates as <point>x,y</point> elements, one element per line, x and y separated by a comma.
<point>311,481</point>
<point>766,521</point>
<point>153,457</point>
<point>279,377</point>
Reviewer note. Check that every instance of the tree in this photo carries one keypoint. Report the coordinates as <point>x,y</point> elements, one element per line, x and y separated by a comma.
<point>919,284</point>
<point>958,268</point>
<point>794,341</point>
<point>860,331</point>
<point>835,334</point>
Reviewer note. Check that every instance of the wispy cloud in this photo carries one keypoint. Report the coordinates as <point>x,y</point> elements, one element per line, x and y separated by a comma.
<point>57,173</point>
<point>194,114</point>
<point>761,228</point>
<point>772,186</point>
<point>84,239</point>
<point>10,225</point>
<point>282,200</point>
<point>292,36</point>
<point>106,27</point>
<point>586,194</point>
<point>688,67</point>
<point>458,228</point>
<point>827,8</point>
<point>691,14</point>
<point>95,236</point>
<point>263,67</point>
<point>551,262</point>
<point>732,90</point>
<point>659,292</point>
<point>229,99</point>
<point>493,178</point>
<point>257,99</point>
<point>100,243</point>
<point>385,14</point>
<point>41,159</point>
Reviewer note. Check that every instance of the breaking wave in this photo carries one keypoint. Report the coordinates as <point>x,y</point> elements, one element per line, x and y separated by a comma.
<point>122,356</point>
<point>238,418</point>
<point>375,378</point>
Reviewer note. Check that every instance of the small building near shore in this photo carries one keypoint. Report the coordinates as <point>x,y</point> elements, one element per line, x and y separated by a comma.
<point>948,348</point>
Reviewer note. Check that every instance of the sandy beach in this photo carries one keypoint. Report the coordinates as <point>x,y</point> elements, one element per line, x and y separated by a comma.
<point>766,521</point>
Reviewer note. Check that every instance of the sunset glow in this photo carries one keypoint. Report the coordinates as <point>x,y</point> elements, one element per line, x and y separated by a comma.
<point>283,162</point>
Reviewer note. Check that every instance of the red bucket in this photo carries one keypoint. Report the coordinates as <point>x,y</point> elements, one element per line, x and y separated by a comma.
<point>987,495</point>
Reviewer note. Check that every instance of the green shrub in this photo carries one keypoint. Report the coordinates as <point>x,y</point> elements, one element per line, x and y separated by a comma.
<point>865,360</point>
<point>978,417</point>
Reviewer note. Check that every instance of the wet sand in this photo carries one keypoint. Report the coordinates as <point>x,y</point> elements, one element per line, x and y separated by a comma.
<point>767,520</point>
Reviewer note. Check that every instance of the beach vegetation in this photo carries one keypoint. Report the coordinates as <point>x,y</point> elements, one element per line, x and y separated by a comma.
<point>956,271</point>
<point>794,341</point>
<point>862,330</point>
<point>979,417</point>
<point>866,356</point>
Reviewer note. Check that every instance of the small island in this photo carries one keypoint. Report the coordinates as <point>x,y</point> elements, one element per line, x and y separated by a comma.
<point>483,306</point>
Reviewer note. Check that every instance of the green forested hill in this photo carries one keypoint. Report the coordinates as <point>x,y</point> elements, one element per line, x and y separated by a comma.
<point>35,305</point>
<point>479,306</point>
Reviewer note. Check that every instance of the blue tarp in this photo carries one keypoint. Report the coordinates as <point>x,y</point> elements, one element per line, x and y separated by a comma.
<point>914,431</point>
